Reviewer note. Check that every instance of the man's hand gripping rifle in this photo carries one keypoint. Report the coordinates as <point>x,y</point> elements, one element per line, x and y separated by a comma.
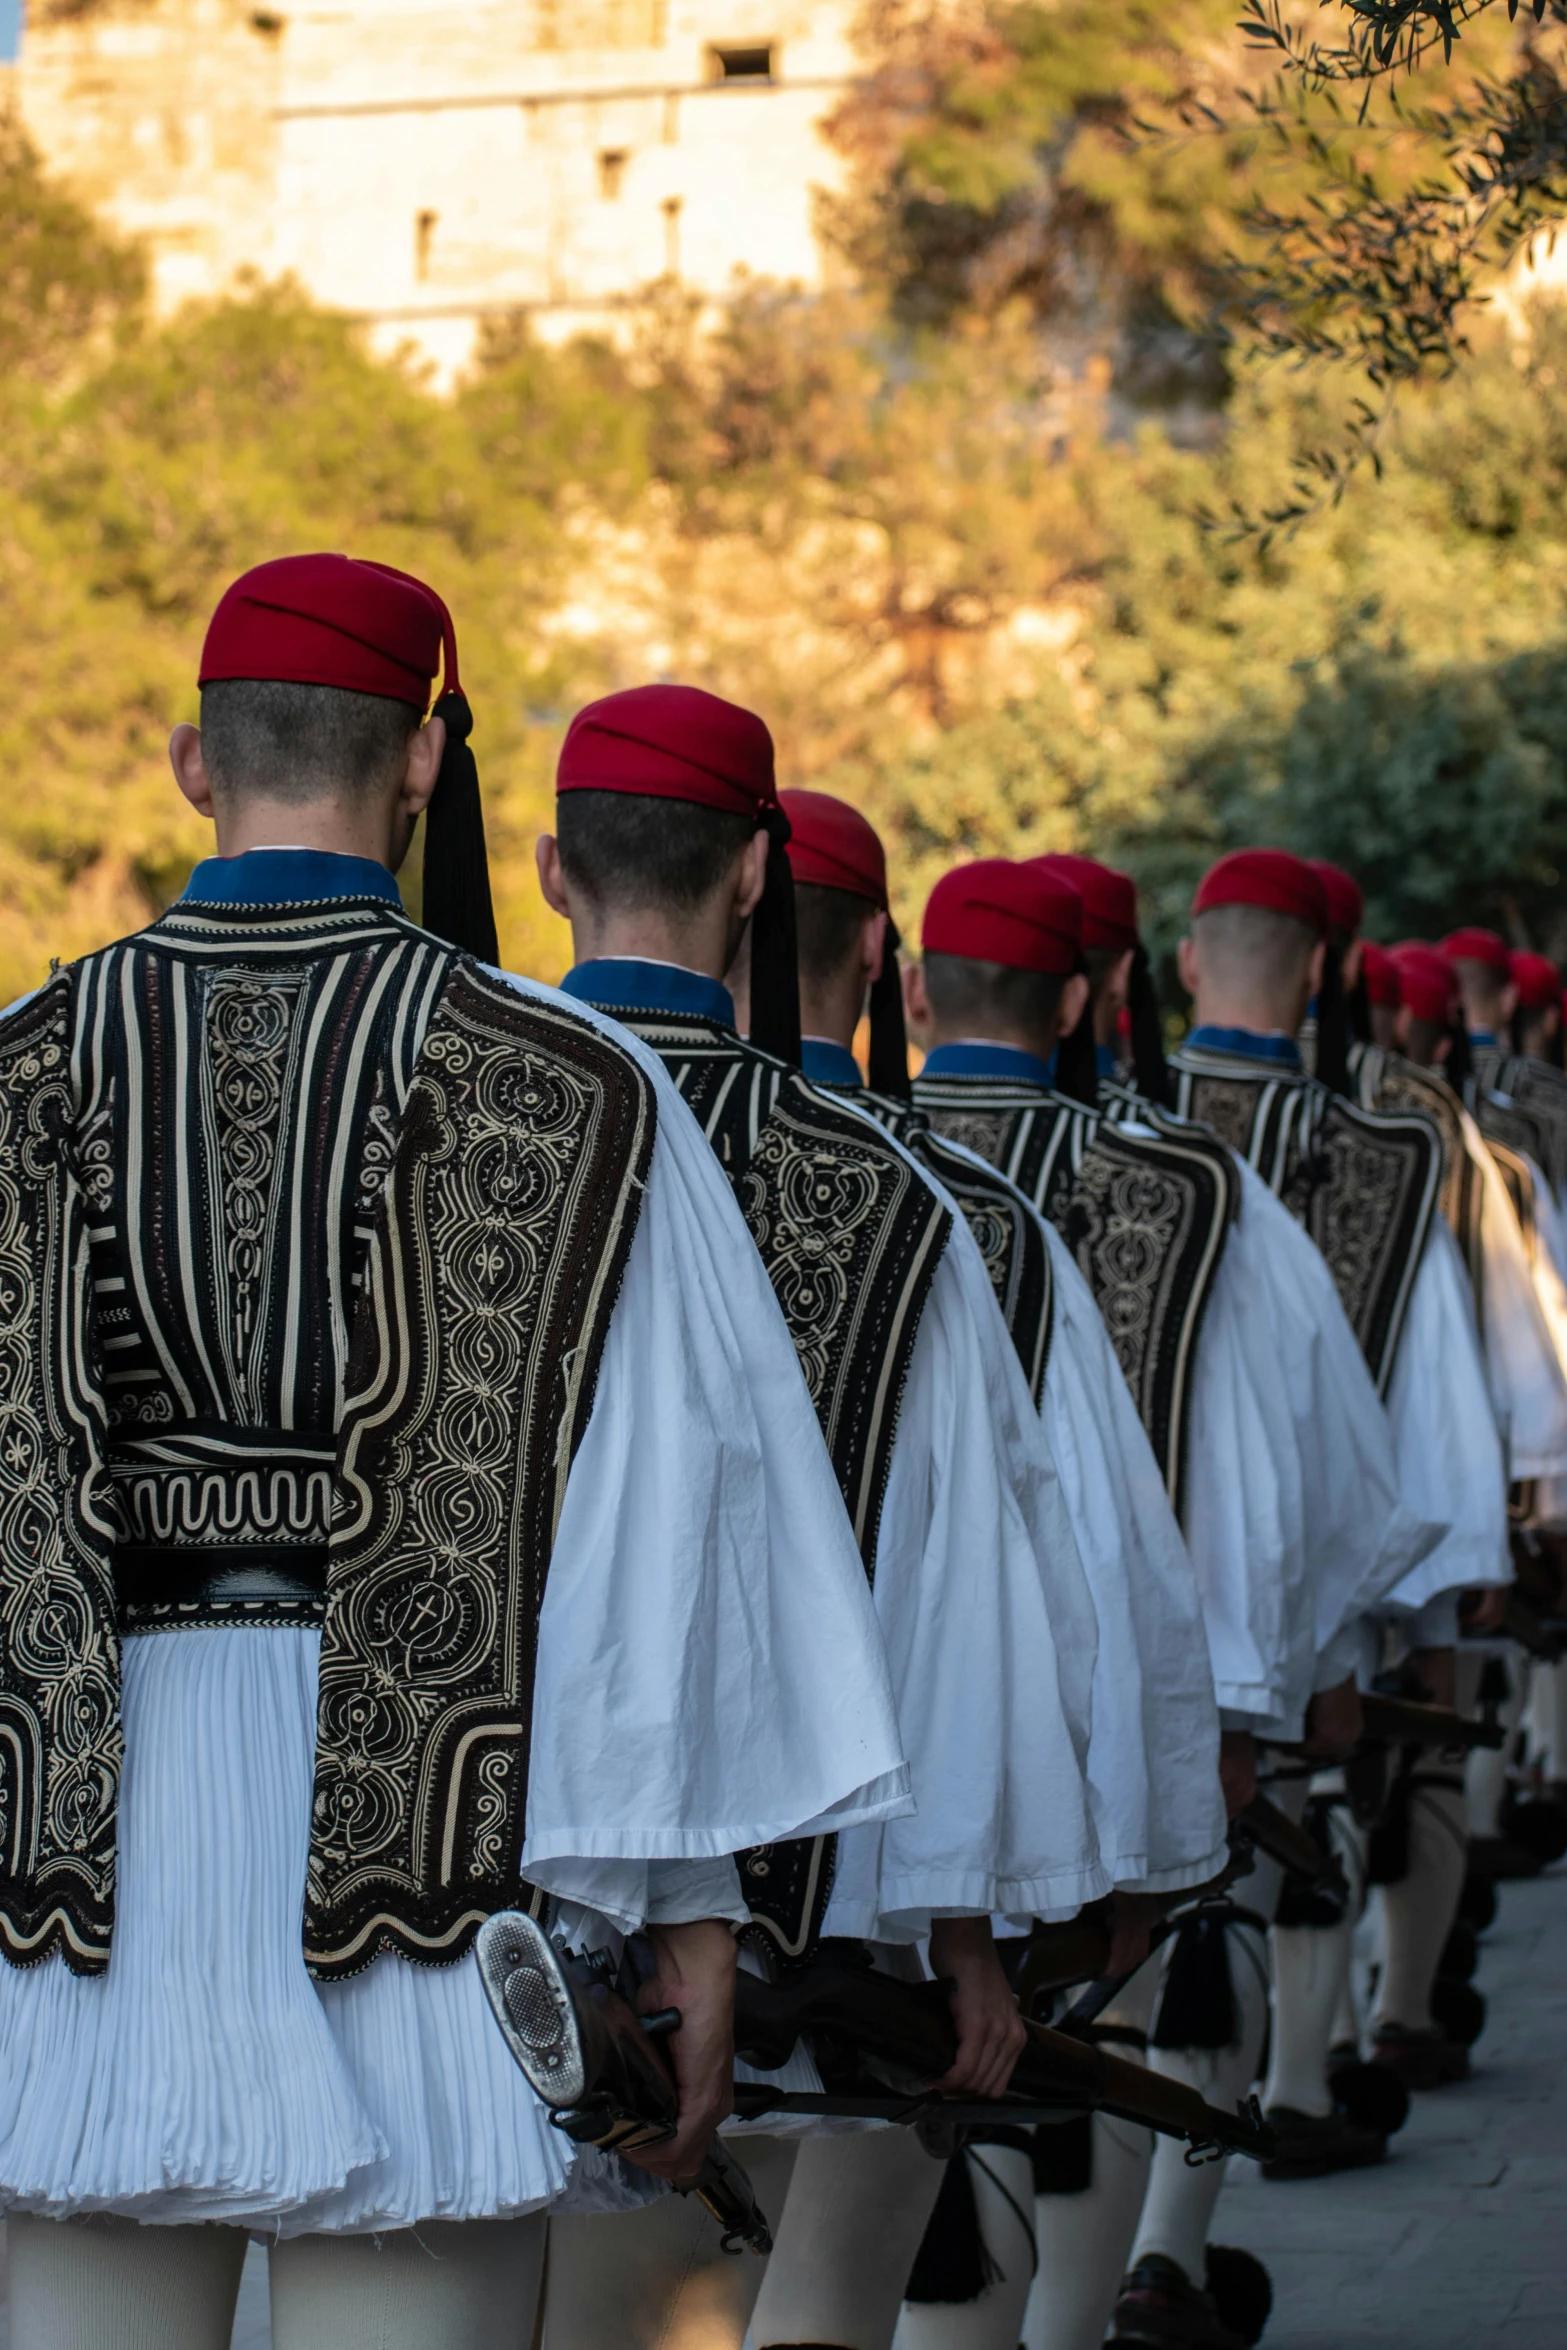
<point>878,2042</point>
<point>599,2066</point>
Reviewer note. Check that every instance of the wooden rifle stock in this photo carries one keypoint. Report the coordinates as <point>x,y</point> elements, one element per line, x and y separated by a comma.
<point>864,2026</point>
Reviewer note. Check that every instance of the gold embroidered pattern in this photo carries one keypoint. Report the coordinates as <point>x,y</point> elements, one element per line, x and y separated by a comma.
<point>61,1746</point>
<point>497,1257</point>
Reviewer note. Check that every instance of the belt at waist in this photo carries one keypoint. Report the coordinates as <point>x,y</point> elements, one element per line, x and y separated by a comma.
<point>166,1588</point>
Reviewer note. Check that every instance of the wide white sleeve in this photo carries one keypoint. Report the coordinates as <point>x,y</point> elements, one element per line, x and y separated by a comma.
<point>1449,1454</point>
<point>1153,1757</point>
<point>1245,1507</point>
<point>1361,1538</point>
<point>710,1669</point>
<point>990,1635</point>
<point>1523,1327</point>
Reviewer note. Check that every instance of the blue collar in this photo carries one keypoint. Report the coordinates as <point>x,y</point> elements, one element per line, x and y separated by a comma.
<point>625,983</point>
<point>990,1060</point>
<point>826,1063</point>
<point>1104,1061</point>
<point>287,877</point>
<point>1248,1044</point>
<point>1482,1036</point>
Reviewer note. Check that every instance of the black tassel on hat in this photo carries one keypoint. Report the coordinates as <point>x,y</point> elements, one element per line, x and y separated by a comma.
<point>888,1059</point>
<point>1150,1071</point>
<point>457,902</point>
<point>775,963</point>
<point>1077,1059</point>
<point>1333,1038</point>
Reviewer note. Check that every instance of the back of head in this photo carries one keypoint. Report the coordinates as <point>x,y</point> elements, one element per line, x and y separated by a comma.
<point>1256,918</point>
<point>315,674</point>
<point>263,739</point>
<point>1484,966</point>
<point>1000,942</point>
<point>659,791</point>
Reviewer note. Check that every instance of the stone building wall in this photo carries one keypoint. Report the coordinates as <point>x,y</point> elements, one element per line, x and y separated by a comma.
<point>421,162</point>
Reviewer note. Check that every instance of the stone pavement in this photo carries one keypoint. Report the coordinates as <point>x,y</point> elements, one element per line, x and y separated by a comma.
<point>1459,2241</point>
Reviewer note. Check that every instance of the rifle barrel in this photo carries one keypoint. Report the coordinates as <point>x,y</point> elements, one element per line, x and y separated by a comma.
<point>1406,1721</point>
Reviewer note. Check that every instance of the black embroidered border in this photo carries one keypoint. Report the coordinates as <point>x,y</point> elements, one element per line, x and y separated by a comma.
<point>499,1251</point>
<point>1147,1220</point>
<point>61,1739</point>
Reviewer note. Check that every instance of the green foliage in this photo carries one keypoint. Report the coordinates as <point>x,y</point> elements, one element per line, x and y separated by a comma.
<point>956,593</point>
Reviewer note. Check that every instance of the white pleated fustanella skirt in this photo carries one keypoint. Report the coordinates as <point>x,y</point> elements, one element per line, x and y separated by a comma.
<point>205,2076</point>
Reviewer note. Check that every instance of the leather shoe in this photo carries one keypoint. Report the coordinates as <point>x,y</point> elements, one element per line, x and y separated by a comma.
<point>1422,2060</point>
<point>1161,2309</point>
<point>1311,2145</point>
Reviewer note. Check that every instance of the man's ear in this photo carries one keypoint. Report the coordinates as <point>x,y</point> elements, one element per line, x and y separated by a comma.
<point>1316,967</point>
<point>1186,964</point>
<point>753,875</point>
<point>873,947</point>
<point>1444,1045</point>
<point>916,998</point>
<point>1074,1003</point>
<point>551,880</point>
<point>422,768</point>
<point>190,770</point>
<point>1401,1028</point>
<point>1509,1004</point>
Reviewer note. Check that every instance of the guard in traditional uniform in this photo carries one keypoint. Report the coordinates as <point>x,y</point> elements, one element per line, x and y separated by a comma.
<point>669,849</point>
<point>403,1444</point>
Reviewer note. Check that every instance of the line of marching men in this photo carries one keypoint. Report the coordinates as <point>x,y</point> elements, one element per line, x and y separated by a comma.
<point>471,1444</point>
<point>1290,1307</point>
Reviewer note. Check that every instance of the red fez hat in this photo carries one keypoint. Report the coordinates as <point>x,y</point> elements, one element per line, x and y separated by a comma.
<point>672,742</point>
<point>1380,972</point>
<point>328,620</point>
<point>993,911</point>
<point>832,846</point>
<point>1427,981</point>
<point>1537,980</point>
<point>1270,878</point>
<point>1346,906</point>
<point>1478,946</point>
<point>368,629</point>
<point>1109,899</point>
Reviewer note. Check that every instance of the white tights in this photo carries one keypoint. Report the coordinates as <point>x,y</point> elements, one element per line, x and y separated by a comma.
<point>848,2213</point>
<point>112,2284</point>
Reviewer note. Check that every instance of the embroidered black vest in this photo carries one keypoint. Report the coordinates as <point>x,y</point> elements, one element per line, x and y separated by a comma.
<point>1386,1081</point>
<point>310,1233</point>
<point>1364,1183</point>
<point>1145,1215</point>
<point>851,1237</point>
<point>1005,1227</point>
<point>1522,1104</point>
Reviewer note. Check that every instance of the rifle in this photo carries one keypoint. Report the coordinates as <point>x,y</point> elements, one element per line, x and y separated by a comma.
<point>1408,1721</point>
<point>597,2064</point>
<point>878,2042</point>
<point>1538,1632</point>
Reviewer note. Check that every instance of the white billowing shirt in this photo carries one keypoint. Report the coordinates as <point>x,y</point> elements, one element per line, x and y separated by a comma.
<point>1450,1459</point>
<point>1153,1755</point>
<point>1154,1761</point>
<point>710,1670</point>
<point>991,1639</point>
<point>1523,1321</point>
<point>1295,1518</point>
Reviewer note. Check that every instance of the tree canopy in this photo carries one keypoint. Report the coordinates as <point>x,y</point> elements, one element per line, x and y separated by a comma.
<point>965,569</point>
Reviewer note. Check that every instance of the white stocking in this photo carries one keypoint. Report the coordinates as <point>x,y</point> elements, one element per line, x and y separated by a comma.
<point>853,2221</point>
<point>111,2284</point>
<point>659,2279</point>
<point>1003,2179</point>
<point>1418,1911</point>
<point>443,2285</point>
<point>1083,2240</point>
<point>1178,2207</point>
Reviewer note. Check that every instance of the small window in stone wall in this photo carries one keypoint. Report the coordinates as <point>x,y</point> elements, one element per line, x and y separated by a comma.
<point>742,61</point>
<point>612,171</point>
<point>425,224</point>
